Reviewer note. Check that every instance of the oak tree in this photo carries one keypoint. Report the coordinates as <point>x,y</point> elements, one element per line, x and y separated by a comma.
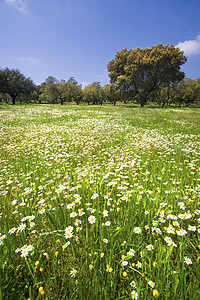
<point>14,83</point>
<point>139,72</point>
<point>94,93</point>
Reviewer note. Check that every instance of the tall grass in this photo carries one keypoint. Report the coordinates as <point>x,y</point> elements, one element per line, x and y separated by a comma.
<point>99,203</point>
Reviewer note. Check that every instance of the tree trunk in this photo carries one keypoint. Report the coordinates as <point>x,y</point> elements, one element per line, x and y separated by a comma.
<point>163,104</point>
<point>143,102</point>
<point>13,100</point>
<point>61,101</point>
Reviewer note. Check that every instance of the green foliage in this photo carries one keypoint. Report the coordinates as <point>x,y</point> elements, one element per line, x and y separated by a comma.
<point>111,94</point>
<point>142,71</point>
<point>14,83</point>
<point>187,91</point>
<point>94,93</point>
<point>53,90</point>
<point>73,91</point>
<point>139,75</point>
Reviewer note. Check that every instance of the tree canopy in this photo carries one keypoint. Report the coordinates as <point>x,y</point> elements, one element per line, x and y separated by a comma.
<point>14,83</point>
<point>53,89</point>
<point>94,93</point>
<point>140,72</point>
<point>138,75</point>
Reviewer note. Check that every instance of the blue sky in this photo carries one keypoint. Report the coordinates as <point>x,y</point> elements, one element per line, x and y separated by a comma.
<point>78,38</point>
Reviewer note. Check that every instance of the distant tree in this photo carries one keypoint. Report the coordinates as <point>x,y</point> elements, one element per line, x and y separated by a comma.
<point>164,95</point>
<point>198,90</point>
<point>49,90</point>
<point>140,72</point>
<point>35,95</point>
<point>1,97</point>
<point>187,91</point>
<point>54,90</point>
<point>14,83</point>
<point>94,93</point>
<point>24,98</point>
<point>61,90</point>
<point>5,97</point>
<point>111,94</point>
<point>73,91</point>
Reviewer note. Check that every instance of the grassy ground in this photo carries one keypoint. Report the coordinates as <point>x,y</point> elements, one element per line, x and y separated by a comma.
<point>99,202</point>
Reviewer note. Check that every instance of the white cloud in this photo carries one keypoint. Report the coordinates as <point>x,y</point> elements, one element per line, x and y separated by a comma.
<point>18,4</point>
<point>190,47</point>
<point>31,60</point>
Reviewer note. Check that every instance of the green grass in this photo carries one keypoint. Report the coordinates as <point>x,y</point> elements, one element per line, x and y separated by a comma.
<point>129,168</point>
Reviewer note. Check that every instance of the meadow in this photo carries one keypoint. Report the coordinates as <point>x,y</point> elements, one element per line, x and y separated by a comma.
<point>99,202</point>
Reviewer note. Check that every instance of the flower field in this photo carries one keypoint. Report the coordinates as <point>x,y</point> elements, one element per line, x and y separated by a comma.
<point>99,202</point>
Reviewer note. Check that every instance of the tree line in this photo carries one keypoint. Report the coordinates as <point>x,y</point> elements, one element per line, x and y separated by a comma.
<point>138,75</point>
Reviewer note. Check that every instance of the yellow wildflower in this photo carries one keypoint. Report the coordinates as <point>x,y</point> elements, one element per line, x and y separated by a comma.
<point>91,266</point>
<point>110,269</point>
<point>41,290</point>
<point>155,293</point>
